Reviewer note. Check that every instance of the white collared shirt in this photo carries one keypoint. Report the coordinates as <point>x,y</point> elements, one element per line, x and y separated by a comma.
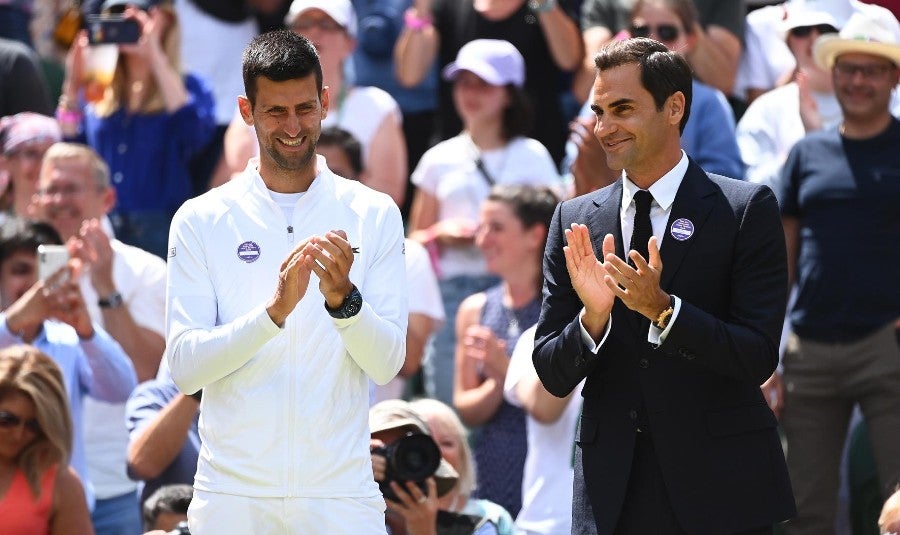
<point>663,191</point>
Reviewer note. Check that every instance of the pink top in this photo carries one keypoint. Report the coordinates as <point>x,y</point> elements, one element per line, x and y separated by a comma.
<point>20,512</point>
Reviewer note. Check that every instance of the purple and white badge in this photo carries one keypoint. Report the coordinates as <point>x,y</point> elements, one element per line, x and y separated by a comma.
<point>682,229</point>
<point>248,251</point>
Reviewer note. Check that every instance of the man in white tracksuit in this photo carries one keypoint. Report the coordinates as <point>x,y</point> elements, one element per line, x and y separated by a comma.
<point>286,293</point>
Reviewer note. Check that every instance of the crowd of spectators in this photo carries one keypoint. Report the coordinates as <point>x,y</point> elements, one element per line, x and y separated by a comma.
<point>475,117</point>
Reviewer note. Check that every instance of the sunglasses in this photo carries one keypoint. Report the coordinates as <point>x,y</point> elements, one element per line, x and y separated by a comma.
<point>805,31</point>
<point>9,420</point>
<point>665,32</point>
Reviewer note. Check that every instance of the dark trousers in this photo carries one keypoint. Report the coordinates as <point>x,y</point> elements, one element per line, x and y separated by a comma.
<point>647,510</point>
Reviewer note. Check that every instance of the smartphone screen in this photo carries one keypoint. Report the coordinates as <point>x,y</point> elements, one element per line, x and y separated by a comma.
<point>112,29</point>
<point>51,258</point>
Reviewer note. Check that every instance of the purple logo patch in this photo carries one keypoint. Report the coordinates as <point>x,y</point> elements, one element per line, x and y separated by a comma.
<point>682,229</point>
<point>248,251</point>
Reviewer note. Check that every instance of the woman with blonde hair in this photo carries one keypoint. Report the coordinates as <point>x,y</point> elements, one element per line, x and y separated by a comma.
<point>146,124</point>
<point>39,493</point>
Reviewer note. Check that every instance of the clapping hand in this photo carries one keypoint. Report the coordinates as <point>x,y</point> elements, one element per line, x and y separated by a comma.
<point>638,287</point>
<point>486,351</point>
<point>330,258</point>
<point>587,274</point>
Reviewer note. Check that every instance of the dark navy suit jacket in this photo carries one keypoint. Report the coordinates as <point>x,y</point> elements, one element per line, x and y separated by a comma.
<point>714,435</point>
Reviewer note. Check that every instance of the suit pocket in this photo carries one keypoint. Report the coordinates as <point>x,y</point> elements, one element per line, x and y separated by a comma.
<point>587,430</point>
<point>745,419</point>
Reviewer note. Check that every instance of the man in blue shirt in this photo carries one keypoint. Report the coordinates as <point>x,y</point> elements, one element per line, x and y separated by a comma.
<point>164,438</point>
<point>51,315</point>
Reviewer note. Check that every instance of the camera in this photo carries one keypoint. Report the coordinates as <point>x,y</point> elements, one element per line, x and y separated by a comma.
<point>181,529</point>
<point>414,457</point>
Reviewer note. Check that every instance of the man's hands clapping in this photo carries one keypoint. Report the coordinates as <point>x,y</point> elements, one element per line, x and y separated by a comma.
<point>598,283</point>
<point>637,287</point>
<point>587,275</point>
<point>329,257</point>
<point>93,249</point>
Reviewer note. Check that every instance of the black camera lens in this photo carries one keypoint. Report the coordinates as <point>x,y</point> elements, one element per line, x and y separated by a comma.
<point>415,457</point>
<point>412,458</point>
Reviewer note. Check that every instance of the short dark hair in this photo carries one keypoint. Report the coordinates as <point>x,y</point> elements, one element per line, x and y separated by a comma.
<point>518,117</point>
<point>532,205</point>
<point>21,235</point>
<point>334,136</point>
<point>173,498</point>
<point>663,72</point>
<point>280,56</point>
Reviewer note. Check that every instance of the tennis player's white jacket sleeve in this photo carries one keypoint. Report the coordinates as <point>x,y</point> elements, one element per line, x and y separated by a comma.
<point>285,410</point>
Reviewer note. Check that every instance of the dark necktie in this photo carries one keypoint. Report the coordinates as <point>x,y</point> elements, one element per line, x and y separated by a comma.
<point>642,229</point>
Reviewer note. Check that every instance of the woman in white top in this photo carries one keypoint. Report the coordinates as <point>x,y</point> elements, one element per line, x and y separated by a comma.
<point>454,178</point>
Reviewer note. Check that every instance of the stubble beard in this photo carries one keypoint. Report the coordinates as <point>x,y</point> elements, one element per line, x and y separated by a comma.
<point>296,163</point>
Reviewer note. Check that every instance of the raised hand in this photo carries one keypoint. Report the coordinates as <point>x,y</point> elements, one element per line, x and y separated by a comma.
<point>638,287</point>
<point>809,111</point>
<point>330,258</point>
<point>92,247</point>
<point>586,271</point>
<point>293,280</point>
<point>487,352</point>
<point>67,302</point>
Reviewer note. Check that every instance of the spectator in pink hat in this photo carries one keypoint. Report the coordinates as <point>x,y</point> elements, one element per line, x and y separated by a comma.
<point>24,138</point>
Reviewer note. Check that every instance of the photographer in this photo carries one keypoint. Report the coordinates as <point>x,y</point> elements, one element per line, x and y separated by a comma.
<point>165,511</point>
<point>443,507</point>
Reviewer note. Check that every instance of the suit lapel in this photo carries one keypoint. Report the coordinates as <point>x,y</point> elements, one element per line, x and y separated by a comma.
<point>693,203</point>
<point>606,219</point>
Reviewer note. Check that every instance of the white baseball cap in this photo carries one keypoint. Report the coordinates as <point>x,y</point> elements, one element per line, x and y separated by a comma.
<point>495,61</point>
<point>815,12</point>
<point>340,10</point>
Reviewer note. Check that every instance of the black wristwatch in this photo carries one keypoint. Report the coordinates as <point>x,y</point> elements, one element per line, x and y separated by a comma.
<point>350,306</point>
<point>113,300</point>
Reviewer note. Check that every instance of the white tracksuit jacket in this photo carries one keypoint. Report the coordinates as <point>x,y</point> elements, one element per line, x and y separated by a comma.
<point>284,410</point>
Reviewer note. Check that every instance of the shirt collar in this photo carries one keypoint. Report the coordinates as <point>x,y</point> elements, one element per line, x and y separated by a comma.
<point>663,190</point>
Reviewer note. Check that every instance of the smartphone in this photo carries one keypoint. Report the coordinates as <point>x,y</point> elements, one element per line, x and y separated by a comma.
<point>112,29</point>
<point>51,258</point>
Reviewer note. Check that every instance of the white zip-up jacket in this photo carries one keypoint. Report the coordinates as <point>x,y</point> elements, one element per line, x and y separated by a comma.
<point>284,410</point>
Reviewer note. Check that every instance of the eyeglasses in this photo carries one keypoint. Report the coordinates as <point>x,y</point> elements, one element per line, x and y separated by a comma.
<point>665,32</point>
<point>70,190</point>
<point>9,420</point>
<point>871,71</point>
<point>326,25</point>
<point>806,31</point>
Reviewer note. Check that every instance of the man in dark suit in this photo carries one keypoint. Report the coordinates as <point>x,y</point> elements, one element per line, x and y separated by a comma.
<point>675,435</point>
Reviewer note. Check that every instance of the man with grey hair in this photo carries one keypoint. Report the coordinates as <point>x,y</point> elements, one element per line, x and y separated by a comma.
<point>124,290</point>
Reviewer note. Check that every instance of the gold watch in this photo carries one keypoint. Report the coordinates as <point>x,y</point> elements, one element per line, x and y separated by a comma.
<point>663,320</point>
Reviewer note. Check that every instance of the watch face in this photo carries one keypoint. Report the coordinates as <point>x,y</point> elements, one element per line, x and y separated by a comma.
<point>353,304</point>
<point>353,308</point>
<point>350,307</point>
